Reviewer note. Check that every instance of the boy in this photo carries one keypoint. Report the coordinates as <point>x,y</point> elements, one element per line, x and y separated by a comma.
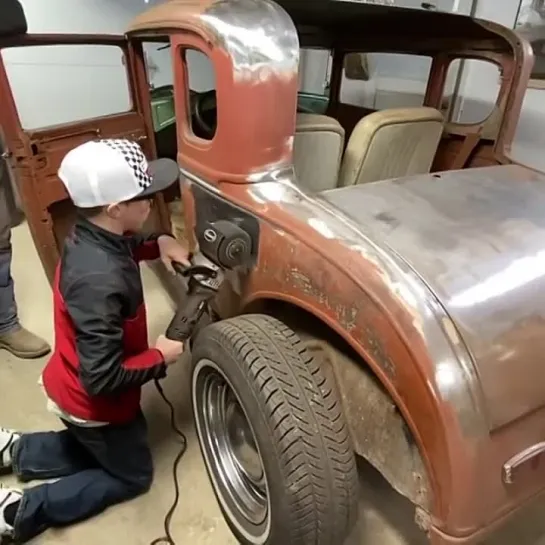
<point>101,356</point>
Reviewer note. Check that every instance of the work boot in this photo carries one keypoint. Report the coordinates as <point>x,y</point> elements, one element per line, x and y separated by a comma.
<point>24,344</point>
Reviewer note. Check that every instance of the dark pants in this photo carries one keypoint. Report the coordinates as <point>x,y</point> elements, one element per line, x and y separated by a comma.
<point>8,308</point>
<point>96,467</point>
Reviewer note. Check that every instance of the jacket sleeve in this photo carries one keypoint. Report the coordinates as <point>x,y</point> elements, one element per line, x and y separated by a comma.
<point>145,247</point>
<point>95,305</point>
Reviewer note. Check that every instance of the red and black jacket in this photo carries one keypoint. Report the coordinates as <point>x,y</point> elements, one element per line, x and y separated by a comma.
<point>101,356</point>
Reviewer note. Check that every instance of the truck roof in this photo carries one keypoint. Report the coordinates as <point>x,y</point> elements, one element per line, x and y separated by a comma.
<point>348,24</point>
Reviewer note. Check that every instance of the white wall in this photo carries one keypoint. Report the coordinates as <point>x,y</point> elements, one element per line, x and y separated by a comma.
<point>59,84</point>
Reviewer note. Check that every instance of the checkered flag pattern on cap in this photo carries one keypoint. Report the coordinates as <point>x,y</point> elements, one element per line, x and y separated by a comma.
<point>135,158</point>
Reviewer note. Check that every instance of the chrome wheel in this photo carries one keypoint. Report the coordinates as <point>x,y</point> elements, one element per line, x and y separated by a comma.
<point>272,434</point>
<point>230,449</point>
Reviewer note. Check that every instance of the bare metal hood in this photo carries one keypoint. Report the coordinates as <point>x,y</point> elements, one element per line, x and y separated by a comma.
<point>477,239</point>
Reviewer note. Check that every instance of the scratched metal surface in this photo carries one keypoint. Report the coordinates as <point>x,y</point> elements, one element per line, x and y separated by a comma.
<point>477,239</point>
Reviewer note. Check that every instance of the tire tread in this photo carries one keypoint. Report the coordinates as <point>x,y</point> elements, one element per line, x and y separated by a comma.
<point>307,423</point>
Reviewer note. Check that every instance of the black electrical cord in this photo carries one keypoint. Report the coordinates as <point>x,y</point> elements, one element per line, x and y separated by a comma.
<point>167,538</point>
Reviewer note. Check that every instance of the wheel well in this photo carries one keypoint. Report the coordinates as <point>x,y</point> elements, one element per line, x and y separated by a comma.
<point>383,437</point>
<point>299,320</point>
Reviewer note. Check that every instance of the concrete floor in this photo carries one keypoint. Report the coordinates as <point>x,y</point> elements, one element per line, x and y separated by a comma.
<point>385,518</point>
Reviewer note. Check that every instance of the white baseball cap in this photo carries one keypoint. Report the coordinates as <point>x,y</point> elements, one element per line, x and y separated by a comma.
<point>104,172</point>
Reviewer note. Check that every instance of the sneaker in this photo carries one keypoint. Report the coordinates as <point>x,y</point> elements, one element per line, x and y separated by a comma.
<point>24,344</point>
<point>7,440</point>
<point>8,496</point>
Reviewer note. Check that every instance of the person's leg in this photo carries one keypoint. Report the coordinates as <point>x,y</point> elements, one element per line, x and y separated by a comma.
<point>21,342</point>
<point>8,307</point>
<point>126,471</point>
<point>43,455</point>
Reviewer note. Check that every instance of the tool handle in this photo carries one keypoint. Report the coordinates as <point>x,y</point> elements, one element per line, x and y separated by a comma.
<point>187,317</point>
<point>194,270</point>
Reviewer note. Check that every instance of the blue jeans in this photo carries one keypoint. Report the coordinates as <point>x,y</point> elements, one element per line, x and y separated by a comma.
<point>8,308</point>
<point>96,467</point>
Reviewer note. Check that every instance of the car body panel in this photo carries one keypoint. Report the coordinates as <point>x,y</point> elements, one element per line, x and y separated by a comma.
<point>334,268</point>
<point>476,238</point>
<point>320,259</point>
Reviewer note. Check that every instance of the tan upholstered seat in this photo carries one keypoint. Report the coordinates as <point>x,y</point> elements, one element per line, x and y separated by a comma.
<point>392,143</point>
<point>317,151</point>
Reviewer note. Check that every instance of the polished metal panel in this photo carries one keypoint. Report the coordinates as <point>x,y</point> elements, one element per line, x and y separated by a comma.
<point>258,35</point>
<point>256,110</point>
<point>477,239</point>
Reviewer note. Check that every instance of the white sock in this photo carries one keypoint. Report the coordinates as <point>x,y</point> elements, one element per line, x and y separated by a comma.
<point>7,440</point>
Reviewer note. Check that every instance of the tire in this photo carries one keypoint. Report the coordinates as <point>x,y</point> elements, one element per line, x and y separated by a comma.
<point>273,435</point>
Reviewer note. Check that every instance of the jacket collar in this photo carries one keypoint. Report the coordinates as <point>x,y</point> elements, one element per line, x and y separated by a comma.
<point>111,242</point>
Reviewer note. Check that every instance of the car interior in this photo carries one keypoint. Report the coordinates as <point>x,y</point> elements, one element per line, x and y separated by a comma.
<point>384,144</point>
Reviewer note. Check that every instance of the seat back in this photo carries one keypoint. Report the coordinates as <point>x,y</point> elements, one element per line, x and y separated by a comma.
<point>317,151</point>
<point>392,143</point>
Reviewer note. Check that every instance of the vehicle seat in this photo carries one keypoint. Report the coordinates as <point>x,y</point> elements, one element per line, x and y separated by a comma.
<point>317,151</point>
<point>392,143</point>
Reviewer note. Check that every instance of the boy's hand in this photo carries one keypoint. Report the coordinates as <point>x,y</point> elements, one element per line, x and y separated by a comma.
<point>171,250</point>
<point>171,350</point>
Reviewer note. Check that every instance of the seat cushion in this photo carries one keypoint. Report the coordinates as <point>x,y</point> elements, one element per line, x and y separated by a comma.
<point>392,143</point>
<point>317,151</point>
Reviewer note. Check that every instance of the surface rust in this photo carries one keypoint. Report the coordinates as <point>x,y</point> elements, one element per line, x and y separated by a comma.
<point>346,314</point>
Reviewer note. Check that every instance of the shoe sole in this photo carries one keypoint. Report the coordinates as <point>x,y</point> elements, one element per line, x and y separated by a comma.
<point>25,355</point>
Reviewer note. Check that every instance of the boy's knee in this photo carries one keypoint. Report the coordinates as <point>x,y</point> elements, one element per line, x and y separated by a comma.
<point>141,483</point>
<point>145,483</point>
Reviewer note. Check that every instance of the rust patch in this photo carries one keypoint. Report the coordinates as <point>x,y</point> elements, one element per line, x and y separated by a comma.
<point>379,354</point>
<point>346,315</point>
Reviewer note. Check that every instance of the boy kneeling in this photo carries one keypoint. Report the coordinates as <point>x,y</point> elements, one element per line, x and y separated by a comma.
<point>101,356</point>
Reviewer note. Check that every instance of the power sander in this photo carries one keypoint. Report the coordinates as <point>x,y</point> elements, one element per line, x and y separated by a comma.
<point>223,246</point>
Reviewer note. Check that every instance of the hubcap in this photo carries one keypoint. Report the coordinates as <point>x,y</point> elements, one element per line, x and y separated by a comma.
<point>230,444</point>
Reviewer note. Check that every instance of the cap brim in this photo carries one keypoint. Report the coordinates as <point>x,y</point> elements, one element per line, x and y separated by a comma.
<point>163,172</point>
